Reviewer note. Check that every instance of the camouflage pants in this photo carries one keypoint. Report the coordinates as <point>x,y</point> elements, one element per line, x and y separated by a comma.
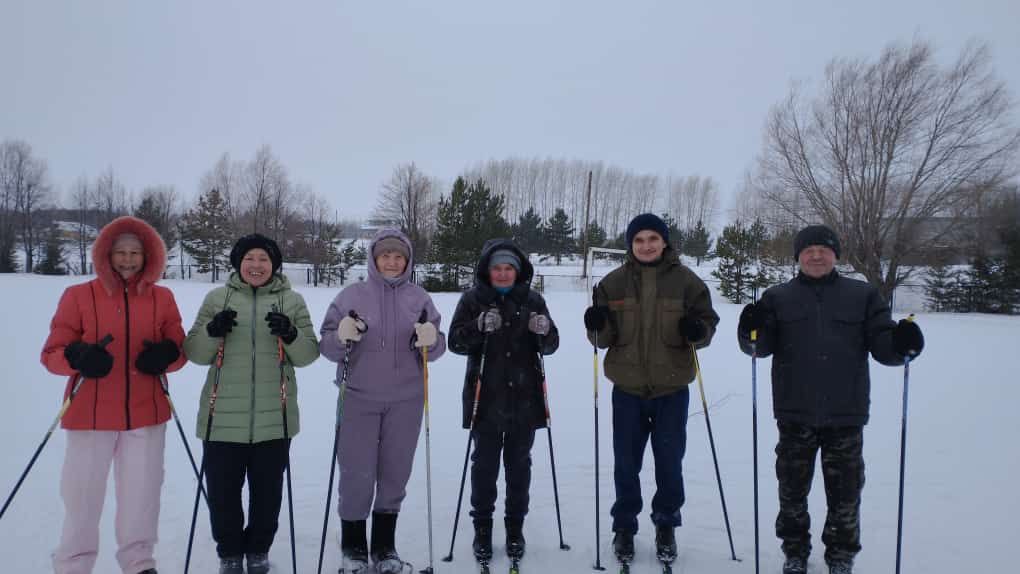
<point>843,472</point>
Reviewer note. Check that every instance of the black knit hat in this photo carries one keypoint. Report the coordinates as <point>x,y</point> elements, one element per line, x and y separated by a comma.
<point>256,241</point>
<point>648,221</point>
<point>815,235</point>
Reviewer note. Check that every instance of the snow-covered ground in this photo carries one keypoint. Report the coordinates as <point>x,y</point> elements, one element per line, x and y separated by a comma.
<point>963,457</point>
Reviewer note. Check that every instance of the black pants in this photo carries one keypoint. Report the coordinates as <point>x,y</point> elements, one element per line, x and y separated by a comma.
<point>227,465</point>
<point>843,471</point>
<point>516,450</point>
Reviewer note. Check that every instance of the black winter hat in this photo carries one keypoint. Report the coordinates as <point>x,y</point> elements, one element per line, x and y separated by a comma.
<point>815,235</point>
<point>645,221</point>
<point>256,241</point>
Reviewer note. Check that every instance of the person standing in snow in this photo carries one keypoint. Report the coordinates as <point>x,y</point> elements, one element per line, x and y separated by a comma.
<point>650,313</point>
<point>248,317</point>
<point>385,396</point>
<point>119,414</point>
<point>819,327</point>
<point>503,316</point>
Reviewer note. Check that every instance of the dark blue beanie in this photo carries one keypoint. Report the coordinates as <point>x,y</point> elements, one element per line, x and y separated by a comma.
<point>648,221</point>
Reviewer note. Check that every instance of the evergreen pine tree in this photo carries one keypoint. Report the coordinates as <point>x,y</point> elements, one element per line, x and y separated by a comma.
<point>206,233</point>
<point>596,235</point>
<point>54,262</point>
<point>559,236</point>
<point>150,211</point>
<point>677,237</point>
<point>740,270</point>
<point>527,232</point>
<point>697,242</point>
<point>467,218</point>
<point>8,257</point>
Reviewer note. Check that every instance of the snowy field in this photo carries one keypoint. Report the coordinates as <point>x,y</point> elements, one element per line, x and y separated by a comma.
<point>963,457</point>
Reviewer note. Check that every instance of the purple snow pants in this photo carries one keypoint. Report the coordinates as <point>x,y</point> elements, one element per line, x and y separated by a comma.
<point>376,454</point>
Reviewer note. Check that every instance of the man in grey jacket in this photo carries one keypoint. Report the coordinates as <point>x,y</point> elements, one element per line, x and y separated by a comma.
<point>819,327</point>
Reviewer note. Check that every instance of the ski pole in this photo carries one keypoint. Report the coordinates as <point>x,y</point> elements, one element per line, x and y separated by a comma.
<point>595,370</point>
<point>165,384</point>
<point>348,346</point>
<point>754,434</point>
<point>49,432</point>
<point>715,458</point>
<point>467,451</point>
<point>548,427</point>
<point>205,441</point>
<point>428,445</point>
<point>903,452</point>
<point>282,356</point>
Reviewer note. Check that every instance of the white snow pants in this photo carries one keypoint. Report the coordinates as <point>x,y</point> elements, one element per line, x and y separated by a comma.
<point>137,457</point>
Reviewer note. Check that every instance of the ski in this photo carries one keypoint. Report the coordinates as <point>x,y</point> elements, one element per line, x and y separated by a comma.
<point>515,566</point>
<point>667,568</point>
<point>483,567</point>
<point>624,567</point>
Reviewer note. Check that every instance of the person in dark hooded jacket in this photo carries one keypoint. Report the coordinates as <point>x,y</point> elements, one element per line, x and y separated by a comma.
<point>507,321</point>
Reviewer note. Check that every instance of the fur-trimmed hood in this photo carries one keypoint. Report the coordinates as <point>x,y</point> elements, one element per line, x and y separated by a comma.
<point>152,245</point>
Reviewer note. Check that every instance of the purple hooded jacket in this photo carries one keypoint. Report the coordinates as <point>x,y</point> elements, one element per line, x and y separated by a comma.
<point>384,364</point>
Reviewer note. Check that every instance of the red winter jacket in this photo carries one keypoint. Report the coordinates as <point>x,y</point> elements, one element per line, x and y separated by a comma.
<point>131,312</point>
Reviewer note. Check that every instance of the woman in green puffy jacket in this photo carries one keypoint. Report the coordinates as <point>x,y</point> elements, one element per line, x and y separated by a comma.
<point>250,317</point>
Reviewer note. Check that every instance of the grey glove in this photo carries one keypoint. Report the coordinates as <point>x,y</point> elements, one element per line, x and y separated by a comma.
<point>538,324</point>
<point>489,321</point>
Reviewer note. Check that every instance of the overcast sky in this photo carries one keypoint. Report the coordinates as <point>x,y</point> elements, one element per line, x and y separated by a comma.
<point>344,91</point>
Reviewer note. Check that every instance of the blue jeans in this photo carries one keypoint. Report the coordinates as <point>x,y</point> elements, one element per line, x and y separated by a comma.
<point>634,419</point>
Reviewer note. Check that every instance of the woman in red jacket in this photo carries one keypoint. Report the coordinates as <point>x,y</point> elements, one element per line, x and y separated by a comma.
<point>119,414</point>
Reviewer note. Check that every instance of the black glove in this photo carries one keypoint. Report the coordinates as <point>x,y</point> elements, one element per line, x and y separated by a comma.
<point>751,319</point>
<point>222,323</point>
<point>280,325</point>
<point>156,357</point>
<point>595,317</point>
<point>907,339</point>
<point>91,360</point>
<point>693,329</point>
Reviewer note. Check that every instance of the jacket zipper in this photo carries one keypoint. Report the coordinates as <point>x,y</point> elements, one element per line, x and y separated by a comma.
<point>127,359</point>
<point>251,419</point>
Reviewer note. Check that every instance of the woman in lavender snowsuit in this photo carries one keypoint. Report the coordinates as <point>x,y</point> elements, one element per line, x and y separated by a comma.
<point>384,395</point>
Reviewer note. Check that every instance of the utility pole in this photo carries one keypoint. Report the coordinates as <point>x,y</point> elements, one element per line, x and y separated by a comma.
<point>584,232</point>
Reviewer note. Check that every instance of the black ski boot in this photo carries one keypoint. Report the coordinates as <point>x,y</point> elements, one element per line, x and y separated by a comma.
<point>843,567</point>
<point>795,565</point>
<point>353,547</point>
<point>623,546</point>
<point>482,544</point>
<point>515,544</point>
<point>665,544</point>
<point>232,565</point>
<point>384,551</point>
<point>258,562</point>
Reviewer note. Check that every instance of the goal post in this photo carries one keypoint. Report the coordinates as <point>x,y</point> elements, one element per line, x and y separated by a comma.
<point>589,262</point>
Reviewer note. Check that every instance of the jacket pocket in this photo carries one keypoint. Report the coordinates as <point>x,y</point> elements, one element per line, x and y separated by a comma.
<point>848,329</point>
<point>670,313</point>
<point>792,327</point>
<point>624,315</point>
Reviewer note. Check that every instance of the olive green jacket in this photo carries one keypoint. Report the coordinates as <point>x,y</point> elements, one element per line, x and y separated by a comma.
<point>648,356</point>
<point>248,406</point>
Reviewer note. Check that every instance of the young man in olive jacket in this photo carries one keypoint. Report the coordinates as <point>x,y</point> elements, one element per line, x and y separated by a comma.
<point>819,327</point>
<point>651,312</point>
<point>502,317</point>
